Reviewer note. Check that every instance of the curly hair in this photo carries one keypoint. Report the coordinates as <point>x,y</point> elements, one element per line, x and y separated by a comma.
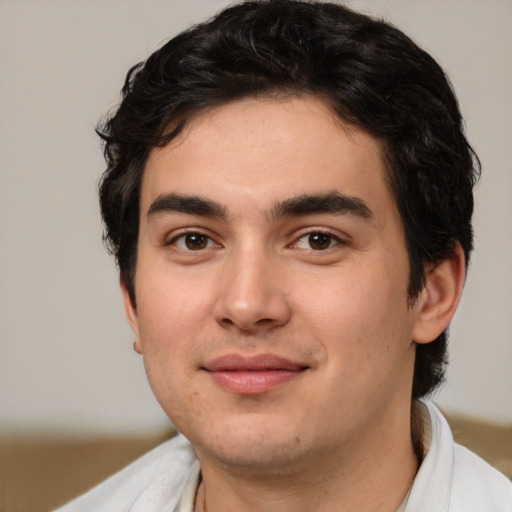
<point>367,71</point>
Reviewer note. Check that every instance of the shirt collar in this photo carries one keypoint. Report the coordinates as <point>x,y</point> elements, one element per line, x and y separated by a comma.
<point>188,496</point>
<point>436,444</point>
<point>436,470</point>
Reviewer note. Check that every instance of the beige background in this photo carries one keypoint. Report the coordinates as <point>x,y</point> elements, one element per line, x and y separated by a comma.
<point>66,363</point>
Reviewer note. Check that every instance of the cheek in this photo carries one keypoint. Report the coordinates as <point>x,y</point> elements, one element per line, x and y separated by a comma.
<point>347,299</point>
<point>172,305</point>
<point>171,320</point>
<point>357,315</point>
<point>168,353</point>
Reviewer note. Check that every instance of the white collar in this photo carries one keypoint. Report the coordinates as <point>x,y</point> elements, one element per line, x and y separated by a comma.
<point>419,413</point>
<point>450,478</point>
<point>188,496</point>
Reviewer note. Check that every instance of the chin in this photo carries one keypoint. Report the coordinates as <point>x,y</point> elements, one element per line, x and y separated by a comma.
<point>250,448</point>
<point>257,459</point>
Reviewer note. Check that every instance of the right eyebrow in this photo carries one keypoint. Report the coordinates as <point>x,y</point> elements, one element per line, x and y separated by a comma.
<point>330,203</point>
<point>192,205</point>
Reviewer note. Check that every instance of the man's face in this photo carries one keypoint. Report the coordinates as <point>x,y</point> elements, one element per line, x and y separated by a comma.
<point>271,286</point>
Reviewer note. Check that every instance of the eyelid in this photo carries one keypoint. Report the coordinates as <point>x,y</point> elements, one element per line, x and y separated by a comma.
<point>341,238</point>
<point>181,233</point>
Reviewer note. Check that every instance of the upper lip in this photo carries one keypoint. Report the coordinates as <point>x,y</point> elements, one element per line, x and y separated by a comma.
<point>260,362</point>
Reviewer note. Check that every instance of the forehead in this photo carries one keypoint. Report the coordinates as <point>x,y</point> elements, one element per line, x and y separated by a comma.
<point>262,150</point>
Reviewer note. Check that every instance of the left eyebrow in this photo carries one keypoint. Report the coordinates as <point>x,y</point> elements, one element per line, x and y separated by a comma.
<point>330,203</point>
<point>192,205</point>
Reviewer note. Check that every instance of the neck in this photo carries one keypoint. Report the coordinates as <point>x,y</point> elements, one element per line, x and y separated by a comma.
<point>363,477</point>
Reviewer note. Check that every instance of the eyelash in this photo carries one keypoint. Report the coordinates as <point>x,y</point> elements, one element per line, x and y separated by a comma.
<point>332,240</point>
<point>323,233</point>
<point>191,233</point>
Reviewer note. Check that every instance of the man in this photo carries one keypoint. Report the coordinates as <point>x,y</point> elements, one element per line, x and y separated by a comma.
<point>289,199</point>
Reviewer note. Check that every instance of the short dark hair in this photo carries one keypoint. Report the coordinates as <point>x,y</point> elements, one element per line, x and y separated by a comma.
<point>367,71</point>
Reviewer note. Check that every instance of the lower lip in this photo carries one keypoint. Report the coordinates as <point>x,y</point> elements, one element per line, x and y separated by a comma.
<point>253,382</point>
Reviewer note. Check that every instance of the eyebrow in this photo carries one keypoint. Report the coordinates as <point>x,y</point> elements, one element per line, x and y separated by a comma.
<point>330,203</point>
<point>306,204</point>
<point>192,205</point>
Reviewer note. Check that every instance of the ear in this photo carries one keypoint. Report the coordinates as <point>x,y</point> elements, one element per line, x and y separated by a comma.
<point>440,296</point>
<point>132,318</point>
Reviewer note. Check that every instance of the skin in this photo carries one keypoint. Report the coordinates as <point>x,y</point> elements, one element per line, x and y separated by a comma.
<point>335,435</point>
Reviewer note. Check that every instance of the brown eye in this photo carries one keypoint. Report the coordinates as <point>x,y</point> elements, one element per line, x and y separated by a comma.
<point>192,242</point>
<point>195,241</point>
<point>319,241</point>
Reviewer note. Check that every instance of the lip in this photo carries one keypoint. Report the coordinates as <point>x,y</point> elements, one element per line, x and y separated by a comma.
<point>252,375</point>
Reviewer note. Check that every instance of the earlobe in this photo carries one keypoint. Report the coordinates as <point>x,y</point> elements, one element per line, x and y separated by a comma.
<point>440,296</point>
<point>130,312</point>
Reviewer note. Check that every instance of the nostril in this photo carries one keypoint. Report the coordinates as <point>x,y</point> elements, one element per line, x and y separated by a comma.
<point>227,322</point>
<point>264,321</point>
<point>247,326</point>
<point>250,308</point>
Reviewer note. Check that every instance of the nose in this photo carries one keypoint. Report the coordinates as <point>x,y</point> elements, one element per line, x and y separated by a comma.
<point>252,296</point>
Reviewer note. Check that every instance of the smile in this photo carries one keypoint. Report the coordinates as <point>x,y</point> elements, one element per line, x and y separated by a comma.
<point>252,375</point>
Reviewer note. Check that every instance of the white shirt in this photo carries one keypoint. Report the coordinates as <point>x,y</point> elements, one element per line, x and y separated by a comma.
<point>450,479</point>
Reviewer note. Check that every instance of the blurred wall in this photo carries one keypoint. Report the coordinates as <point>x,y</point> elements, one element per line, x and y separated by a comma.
<point>66,360</point>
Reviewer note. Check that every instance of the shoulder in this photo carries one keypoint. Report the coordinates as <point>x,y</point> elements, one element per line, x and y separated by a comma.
<point>451,478</point>
<point>477,486</point>
<point>158,476</point>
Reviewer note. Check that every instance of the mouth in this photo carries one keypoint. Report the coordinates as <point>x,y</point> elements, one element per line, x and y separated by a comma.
<point>253,375</point>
